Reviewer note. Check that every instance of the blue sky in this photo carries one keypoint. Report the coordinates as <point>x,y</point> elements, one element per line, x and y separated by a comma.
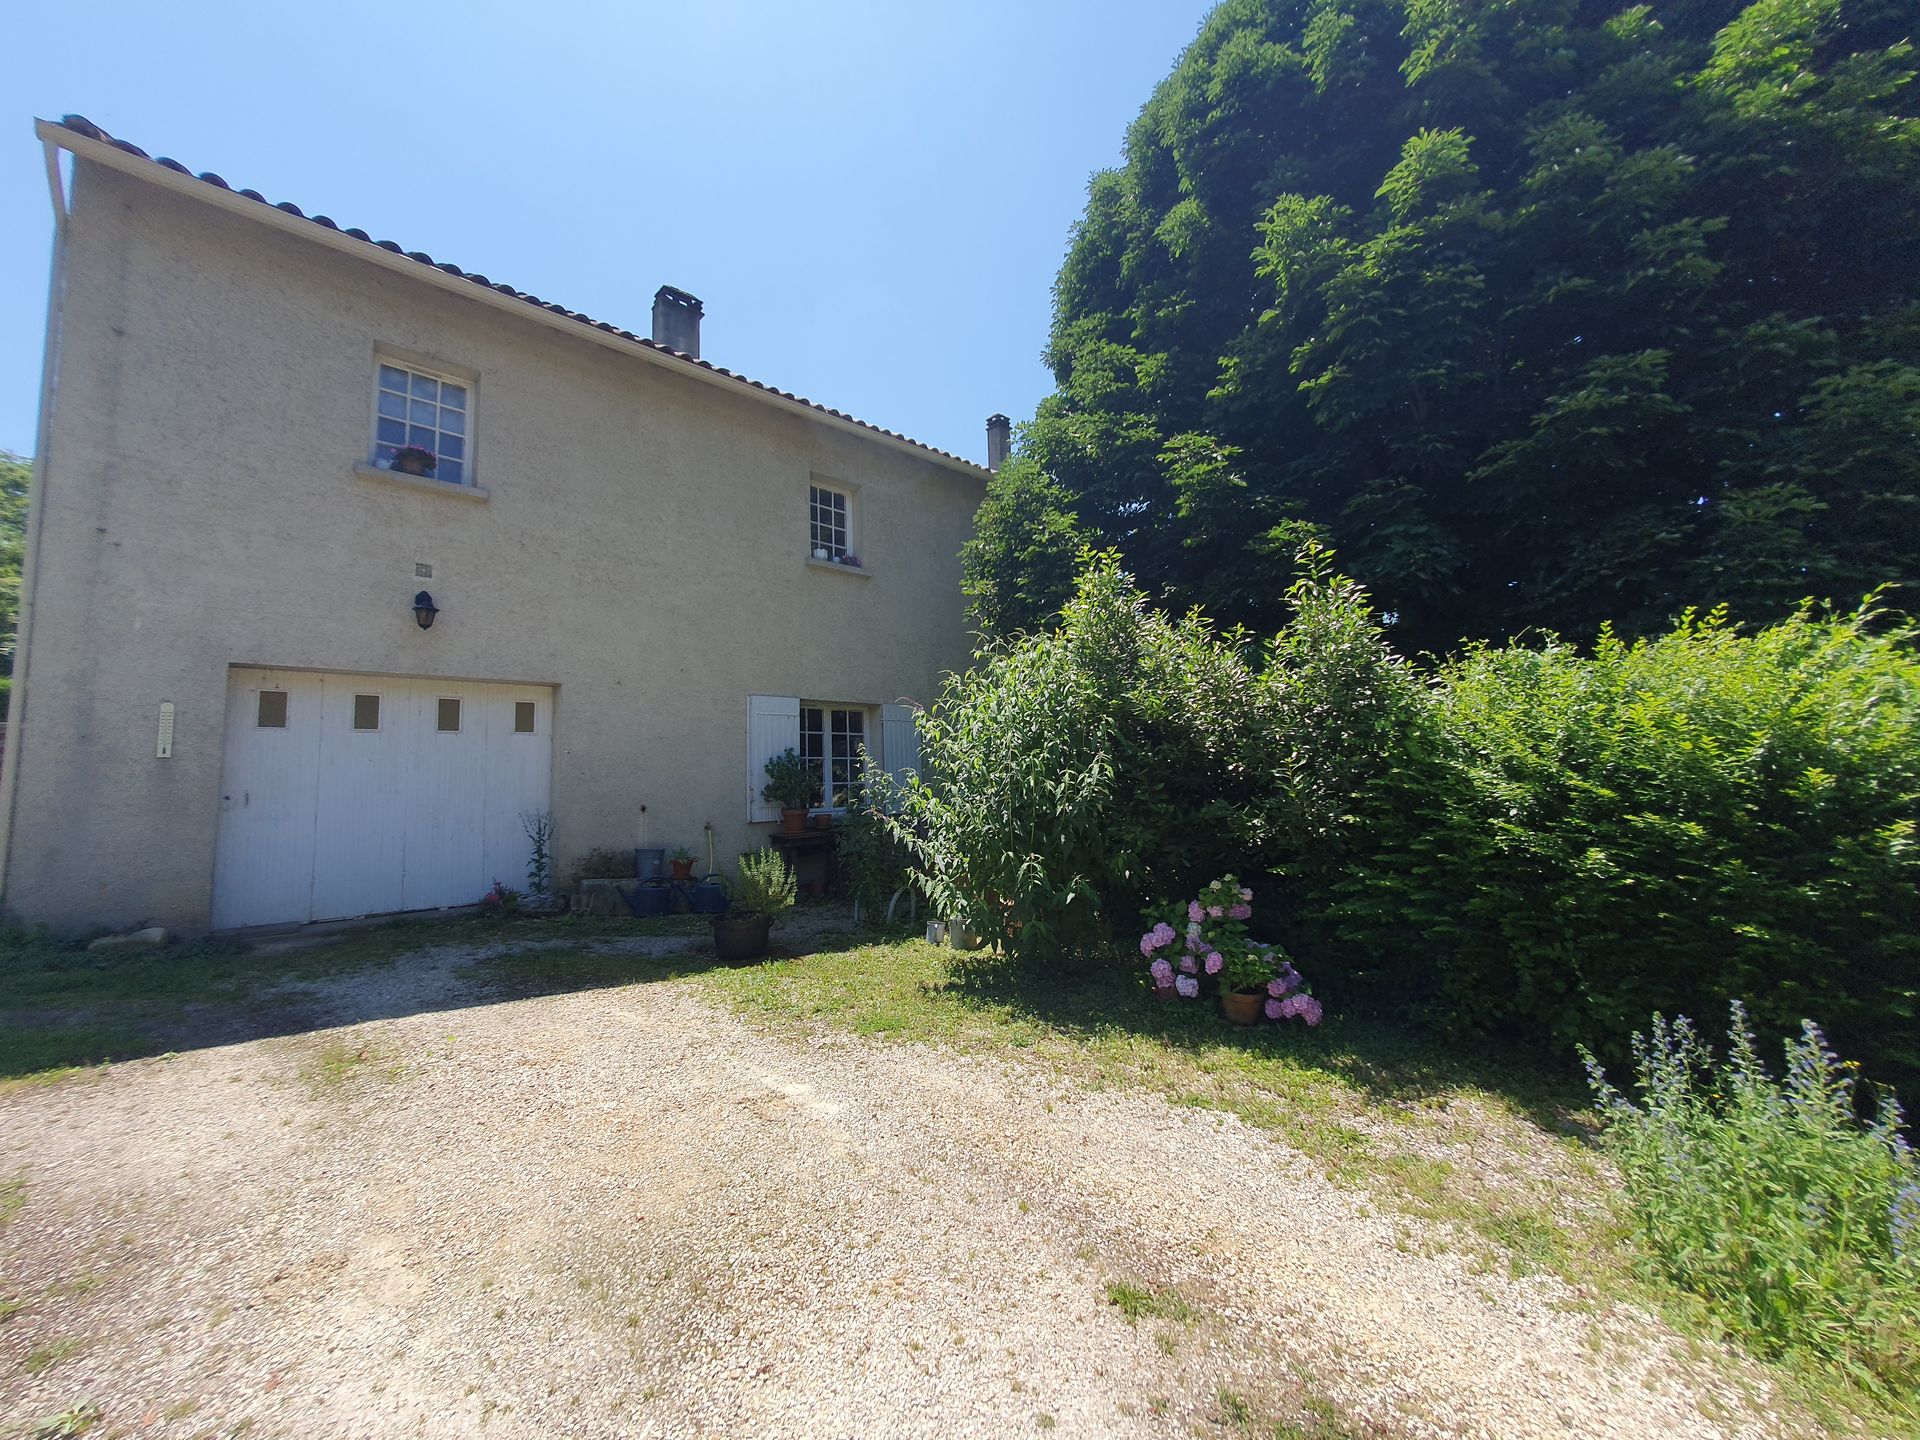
<point>871,199</point>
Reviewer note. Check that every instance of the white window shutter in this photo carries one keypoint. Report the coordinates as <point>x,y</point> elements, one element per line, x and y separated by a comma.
<point>773,725</point>
<point>899,741</point>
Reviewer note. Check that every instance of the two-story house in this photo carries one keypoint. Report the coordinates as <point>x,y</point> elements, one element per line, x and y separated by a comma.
<point>265,676</point>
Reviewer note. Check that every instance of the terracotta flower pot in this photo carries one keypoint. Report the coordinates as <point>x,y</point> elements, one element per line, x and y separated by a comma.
<point>793,822</point>
<point>683,869</point>
<point>1242,1007</point>
<point>1164,993</point>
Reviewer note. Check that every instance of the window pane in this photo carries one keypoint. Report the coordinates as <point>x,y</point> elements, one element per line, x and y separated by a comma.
<point>272,714</point>
<point>451,471</point>
<point>423,413</point>
<point>523,717</point>
<point>366,712</point>
<point>449,714</point>
<point>452,446</point>
<point>451,394</point>
<point>425,436</point>
<point>454,422</point>
<point>391,432</point>
<point>392,378</point>
<point>425,386</point>
<point>383,455</point>
<point>394,405</point>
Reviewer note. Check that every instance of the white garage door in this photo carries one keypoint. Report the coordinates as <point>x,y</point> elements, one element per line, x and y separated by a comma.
<point>351,795</point>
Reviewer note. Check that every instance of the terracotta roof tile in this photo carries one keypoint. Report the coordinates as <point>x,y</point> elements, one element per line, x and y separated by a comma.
<point>84,127</point>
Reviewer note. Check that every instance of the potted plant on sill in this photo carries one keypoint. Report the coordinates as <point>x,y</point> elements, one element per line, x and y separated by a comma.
<point>414,460</point>
<point>793,786</point>
<point>765,889</point>
<point>682,862</point>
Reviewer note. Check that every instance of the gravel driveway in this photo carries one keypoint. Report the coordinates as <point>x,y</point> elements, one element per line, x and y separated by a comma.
<point>623,1212</point>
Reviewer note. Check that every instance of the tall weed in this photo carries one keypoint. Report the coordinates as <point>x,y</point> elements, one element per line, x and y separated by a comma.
<point>1796,1223</point>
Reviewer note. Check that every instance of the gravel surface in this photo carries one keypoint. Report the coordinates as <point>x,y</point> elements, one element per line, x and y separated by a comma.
<point>623,1212</point>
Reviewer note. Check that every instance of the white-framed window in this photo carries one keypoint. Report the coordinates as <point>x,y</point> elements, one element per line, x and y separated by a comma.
<point>429,410</point>
<point>833,522</point>
<point>829,522</point>
<point>832,739</point>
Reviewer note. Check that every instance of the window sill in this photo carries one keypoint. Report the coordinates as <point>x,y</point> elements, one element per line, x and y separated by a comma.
<point>836,566</point>
<point>418,482</point>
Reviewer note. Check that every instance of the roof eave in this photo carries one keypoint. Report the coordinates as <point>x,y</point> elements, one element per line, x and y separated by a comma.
<point>262,212</point>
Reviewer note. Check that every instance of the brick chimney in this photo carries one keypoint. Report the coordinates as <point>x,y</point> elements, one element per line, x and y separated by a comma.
<point>999,440</point>
<point>676,320</point>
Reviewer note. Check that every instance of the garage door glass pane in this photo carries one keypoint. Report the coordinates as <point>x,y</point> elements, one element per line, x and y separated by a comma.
<point>523,717</point>
<point>366,712</point>
<point>449,714</point>
<point>273,710</point>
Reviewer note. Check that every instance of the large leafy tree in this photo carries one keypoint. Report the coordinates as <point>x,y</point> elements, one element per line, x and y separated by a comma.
<point>1544,313</point>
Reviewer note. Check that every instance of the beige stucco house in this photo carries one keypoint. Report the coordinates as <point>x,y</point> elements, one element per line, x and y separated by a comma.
<point>648,573</point>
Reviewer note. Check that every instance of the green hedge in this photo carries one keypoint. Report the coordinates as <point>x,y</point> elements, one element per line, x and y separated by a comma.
<point>1533,840</point>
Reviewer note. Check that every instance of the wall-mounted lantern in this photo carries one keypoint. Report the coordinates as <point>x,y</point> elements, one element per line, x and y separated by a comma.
<point>424,610</point>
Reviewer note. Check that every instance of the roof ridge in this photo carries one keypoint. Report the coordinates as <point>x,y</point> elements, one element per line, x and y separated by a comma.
<point>81,126</point>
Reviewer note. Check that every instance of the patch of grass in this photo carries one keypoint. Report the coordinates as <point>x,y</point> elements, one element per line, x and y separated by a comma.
<point>65,1010</point>
<point>67,1425</point>
<point>13,1194</point>
<point>328,1069</point>
<point>1136,1301</point>
<point>43,1358</point>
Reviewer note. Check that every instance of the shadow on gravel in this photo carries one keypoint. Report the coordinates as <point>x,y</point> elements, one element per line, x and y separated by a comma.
<point>1390,1063</point>
<point>63,1007</point>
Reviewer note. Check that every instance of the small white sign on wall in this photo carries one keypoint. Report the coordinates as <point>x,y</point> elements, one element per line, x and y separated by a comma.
<point>164,750</point>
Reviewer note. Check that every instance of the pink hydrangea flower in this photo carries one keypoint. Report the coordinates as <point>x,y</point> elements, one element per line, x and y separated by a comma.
<point>1273,1009</point>
<point>1288,1007</point>
<point>1214,962</point>
<point>1276,988</point>
<point>1215,911</point>
<point>1187,986</point>
<point>1157,938</point>
<point>1162,972</point>
<point>1194,912</point>
<point>1239,912</point>
<point>1308,1009</point>
<point>1245,894</point>
<point>1188,964</point>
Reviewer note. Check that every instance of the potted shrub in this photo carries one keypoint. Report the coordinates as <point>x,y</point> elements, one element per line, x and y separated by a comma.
<point>1207,942</point>
<point>793,786</point>
<point>765,889</point>
<point>682,861</point>
<point>414,460</point>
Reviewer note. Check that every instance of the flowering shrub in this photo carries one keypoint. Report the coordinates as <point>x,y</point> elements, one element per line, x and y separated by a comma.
<point>1798,1224</point>
<point>1206,940</point>
<point>500,901</point>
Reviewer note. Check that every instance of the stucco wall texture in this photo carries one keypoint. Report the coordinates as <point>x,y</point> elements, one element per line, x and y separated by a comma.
<point>643,549</point>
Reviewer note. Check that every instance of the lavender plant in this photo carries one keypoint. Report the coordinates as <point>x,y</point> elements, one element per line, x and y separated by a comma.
<point>1768,1197</point>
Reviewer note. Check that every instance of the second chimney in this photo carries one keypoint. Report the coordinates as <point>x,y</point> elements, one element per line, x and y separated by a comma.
<point>999,440</point>
<point>676,320</point>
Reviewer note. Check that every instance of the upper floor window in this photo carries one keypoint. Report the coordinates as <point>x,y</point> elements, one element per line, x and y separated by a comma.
<point>418,410</point>
<point>831,528</point>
